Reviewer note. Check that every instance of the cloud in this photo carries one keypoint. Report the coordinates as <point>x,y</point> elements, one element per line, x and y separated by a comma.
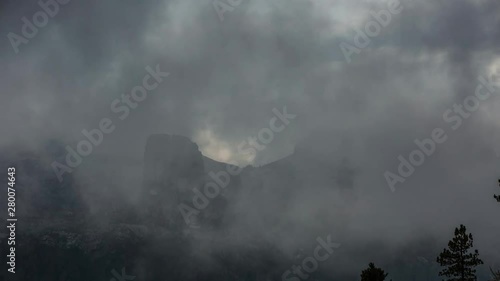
<point>226,77</point>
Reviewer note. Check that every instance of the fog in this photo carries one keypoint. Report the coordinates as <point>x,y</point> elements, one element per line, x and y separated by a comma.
<point>227,74</point>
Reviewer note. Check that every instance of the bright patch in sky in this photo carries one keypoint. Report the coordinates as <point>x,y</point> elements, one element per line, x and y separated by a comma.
<point>217,149</point>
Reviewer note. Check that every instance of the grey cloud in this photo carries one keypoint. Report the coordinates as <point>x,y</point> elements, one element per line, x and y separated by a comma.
<point>228,76</point>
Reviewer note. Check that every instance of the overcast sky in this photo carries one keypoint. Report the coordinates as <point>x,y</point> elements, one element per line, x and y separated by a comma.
<point>226,76</point>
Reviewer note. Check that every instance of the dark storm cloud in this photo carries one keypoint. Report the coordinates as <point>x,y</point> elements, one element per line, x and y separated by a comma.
<point>243,64</point>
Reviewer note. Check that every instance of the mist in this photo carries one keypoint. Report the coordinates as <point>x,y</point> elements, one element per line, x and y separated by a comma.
<point>229,68</point>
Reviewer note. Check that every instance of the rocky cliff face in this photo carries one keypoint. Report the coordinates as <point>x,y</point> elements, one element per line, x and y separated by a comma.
<point>170,161</point>
<point>240,235</point>
<point>55,242</point>
<point>173,166</point>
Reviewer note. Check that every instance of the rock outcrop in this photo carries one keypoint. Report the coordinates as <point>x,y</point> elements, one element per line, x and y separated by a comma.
<point>173,166</point>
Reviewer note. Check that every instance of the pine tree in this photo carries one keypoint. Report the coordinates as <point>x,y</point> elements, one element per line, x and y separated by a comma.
<point>373,273</point>
<point>497,197</point>
<point>460,264</point>
<point>495,275</point>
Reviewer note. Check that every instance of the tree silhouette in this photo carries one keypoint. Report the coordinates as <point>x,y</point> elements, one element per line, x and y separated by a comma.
<point>460,264</point>
<point>495,275</point>
<point>497,197</point>
<point>373,273</point>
